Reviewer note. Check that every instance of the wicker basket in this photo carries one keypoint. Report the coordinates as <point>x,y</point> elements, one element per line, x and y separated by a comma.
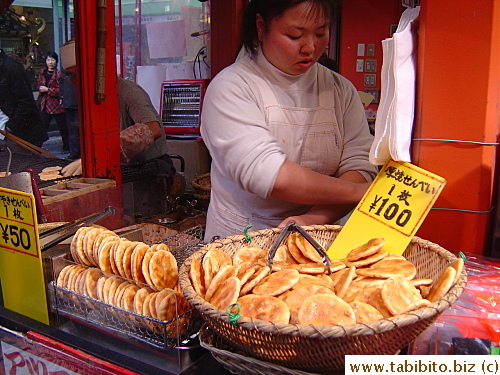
<point>202,186</point>
<point>322,349</point>
<point>237,363</point>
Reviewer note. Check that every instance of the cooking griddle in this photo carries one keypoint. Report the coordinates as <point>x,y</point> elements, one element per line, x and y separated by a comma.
<point>20,162</point>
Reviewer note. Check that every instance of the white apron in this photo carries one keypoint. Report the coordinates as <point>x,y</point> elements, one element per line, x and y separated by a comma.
<point>309,137</point>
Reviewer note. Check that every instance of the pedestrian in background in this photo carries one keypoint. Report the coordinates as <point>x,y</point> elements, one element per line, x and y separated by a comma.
<point>49,85</point>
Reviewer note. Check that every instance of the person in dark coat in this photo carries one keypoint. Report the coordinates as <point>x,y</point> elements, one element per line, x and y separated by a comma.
<point>18,103</point>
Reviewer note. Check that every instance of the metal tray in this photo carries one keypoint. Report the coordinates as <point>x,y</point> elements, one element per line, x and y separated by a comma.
<point>122,323</point>
<point>125,324</point>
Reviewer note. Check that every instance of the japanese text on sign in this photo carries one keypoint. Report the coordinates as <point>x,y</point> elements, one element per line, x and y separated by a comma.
<point>17,226</point>
<point>402,197</point>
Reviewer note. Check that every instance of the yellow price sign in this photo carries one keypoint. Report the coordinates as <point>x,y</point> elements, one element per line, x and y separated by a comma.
<point>393,208</point>
<point>21,269</point>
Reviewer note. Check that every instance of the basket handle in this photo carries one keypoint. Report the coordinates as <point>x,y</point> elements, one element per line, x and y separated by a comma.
<point>293,226</point>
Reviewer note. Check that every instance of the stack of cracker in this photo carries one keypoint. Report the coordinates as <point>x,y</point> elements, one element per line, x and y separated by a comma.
<point>50,173</point>
<point>129,275</point>
<point>368,285</point>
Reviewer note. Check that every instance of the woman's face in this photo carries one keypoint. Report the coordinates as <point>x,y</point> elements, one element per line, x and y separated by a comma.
<point>294,40</point>
<point>51,62</point>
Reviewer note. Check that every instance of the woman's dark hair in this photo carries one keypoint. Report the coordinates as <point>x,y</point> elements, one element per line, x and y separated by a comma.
<point>269,9</point>
<point>52,54</point>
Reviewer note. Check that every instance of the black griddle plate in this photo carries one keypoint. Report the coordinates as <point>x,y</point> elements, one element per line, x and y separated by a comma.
<point>20,162</point>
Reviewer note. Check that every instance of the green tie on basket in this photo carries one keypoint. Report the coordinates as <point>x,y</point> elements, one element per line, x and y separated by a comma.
<point>233,318</point>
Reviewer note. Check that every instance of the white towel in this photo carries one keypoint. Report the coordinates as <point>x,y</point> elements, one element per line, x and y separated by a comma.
<point>395,115</point>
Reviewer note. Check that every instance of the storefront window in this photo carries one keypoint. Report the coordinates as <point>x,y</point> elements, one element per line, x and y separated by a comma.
<point>168,39</point>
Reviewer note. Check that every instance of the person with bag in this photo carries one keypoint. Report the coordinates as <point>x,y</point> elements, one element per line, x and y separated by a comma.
<point>49,85</point>
<point>288,137</point>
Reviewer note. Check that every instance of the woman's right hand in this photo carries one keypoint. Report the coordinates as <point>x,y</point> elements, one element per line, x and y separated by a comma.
<point>43,89</point>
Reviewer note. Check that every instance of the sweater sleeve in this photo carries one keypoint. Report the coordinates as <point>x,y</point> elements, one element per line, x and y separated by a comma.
<point>235,132</point>
<point>357,139</point>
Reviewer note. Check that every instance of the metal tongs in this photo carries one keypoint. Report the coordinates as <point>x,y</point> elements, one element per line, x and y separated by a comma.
<point>290,227</point>
<point>55,235</point>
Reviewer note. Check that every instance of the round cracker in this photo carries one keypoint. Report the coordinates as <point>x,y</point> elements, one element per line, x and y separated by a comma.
<point>210,268</point>
<point>119,246</point>
<point>139,299</point>
<point>458,264</point>
<point>104,257</point>
<point>444,282</point>
<point>145,265</point>
<point>364,312</point>
<point>249,254</point>
<point>291,243</point>
<point>321,280</point>
<point>422,282</point>
<point>196,276</point>
<point>266,308</point>
<point>373,296</point>
<point>136,264</point>
<point>369,260</point>
<point>152,305</point>
<point>86,251</point>
<point>106,288</point>
<point>308,250</point>
<point>127,259</point>
<point>73,278</point>
<point>47,176</point>
<point>92,276</point>
<point>367,249</point>
<point>120,290</point>
<point>165,305</point>
<point>398,294</point>
<point>163,269</point>
<point>387,268</point>
<point>160,246</point>
<point>225,272</point>
<point>227,293</point>
<point>101,239</point>
<point>304,268</point>
<point>113,289</point>
<point>128,298</point>
<point>326,309</point>
<point>218,255</point>
<point>295,298</point>
<point>248,274</point>
<point>52,169</point>
<point>62,278</point>
<point>284,255</point>
<point>345,281</point>
<point>254,280</point>
<point>277,283</point>
<point>147,303</point>
<point>77,242</point>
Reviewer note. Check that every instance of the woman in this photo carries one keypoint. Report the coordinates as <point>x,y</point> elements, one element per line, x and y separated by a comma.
<point>48,84</point>
<point>288,137</point>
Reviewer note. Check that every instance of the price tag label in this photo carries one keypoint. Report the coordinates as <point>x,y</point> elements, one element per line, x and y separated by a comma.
<point>21,269</point>
<point>393,208</point>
